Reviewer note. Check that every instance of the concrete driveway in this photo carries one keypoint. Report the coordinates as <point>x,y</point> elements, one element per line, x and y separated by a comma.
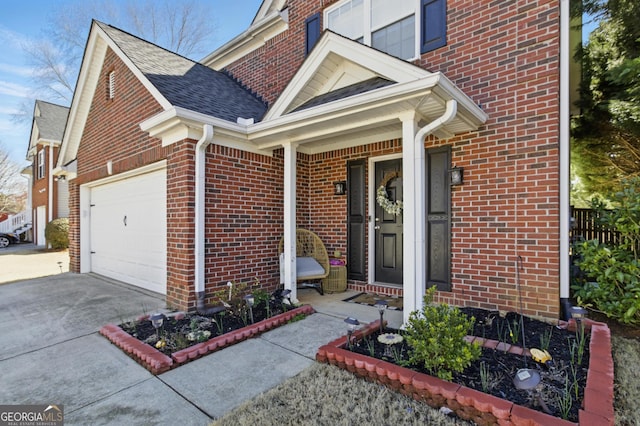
<point>51,353</point>
<point>25,260</point>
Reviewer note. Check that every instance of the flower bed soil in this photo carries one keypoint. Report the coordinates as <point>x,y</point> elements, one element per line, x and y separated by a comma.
<point>502,403</point>
<point>158,361</point>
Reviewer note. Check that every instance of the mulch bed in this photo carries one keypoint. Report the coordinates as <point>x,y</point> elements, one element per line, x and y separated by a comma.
<point>558,376</point>
<point>173,346</point>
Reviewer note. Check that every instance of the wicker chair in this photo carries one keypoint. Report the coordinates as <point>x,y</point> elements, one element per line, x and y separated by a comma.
<point>308,246</point>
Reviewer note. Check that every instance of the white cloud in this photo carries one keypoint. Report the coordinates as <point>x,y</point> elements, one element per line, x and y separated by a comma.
<point>20,71</point>
<point>14,89</point>
<point>8,110</point>
<point>12,37</point>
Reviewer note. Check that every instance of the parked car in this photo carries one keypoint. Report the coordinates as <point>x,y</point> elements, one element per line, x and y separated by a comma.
<point>6,239</point>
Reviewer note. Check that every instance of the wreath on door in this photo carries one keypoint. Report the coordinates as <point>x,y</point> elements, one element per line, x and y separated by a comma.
<point>382,196</point>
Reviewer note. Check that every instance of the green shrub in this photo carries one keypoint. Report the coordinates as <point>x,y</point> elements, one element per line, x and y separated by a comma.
<point>436,338</point>
<point>57,233</point>
<point>612,282</point>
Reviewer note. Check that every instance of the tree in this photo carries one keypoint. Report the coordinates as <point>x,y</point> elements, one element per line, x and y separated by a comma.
<point>12,186</point>
<point>606,136</point>
<point>184,27</point>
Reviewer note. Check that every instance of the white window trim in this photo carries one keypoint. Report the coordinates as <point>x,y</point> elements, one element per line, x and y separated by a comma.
<point>367,24</point>
<point>41,165</point>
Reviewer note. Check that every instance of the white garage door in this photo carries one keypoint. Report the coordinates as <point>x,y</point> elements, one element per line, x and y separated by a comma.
<point>128,230</point>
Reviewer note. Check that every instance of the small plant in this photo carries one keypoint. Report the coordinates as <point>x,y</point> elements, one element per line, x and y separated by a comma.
<point>502,332</point>
<point>57,233</point>
<point>565,401</point>
<point>545,339</point>
<point>485,377</point>
<point>397,354</point>
<point>219,323</point>
<point>371,347</point>
<point>262,297</point>
<point>514,331</point>
<point>436,338</point>
<point>296,318</point>
<point>573,368</point>
<point>581,343</point>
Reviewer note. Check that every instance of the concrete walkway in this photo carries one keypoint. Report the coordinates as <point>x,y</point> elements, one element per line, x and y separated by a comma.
<point>51,353</point>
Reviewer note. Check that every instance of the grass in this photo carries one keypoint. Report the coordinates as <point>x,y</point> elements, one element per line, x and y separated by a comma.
<point>326,395</point>
<point>323,394</point>
<point>626,358</point>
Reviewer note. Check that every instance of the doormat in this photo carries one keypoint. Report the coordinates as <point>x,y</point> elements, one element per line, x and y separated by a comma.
<point>394,302</point>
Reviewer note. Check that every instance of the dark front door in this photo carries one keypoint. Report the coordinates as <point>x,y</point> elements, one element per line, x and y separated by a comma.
<point>388,225</point>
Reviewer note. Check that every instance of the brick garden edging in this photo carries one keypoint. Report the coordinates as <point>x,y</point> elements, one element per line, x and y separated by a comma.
<point>157,362</point>
<point>470,404</point>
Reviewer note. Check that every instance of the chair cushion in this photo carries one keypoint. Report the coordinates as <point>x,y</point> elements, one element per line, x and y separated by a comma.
<point>308,267</point>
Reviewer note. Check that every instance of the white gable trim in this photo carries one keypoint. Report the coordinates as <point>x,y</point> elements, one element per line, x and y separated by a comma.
<point>251,39</point>
<point>373,62</point>
<point>88,80</point>
<point>266,8</point>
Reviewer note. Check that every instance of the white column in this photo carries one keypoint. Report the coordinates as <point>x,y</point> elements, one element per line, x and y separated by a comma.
<point>412,186</point>
<point>289,186</point>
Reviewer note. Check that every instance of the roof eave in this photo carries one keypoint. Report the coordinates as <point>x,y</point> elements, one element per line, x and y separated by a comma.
<point>270,133</point>
<point>251,39</point>
<point>176,124</point>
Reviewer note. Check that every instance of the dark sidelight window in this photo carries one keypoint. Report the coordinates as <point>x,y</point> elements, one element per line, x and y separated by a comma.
<point>356,220</point>
<point>438,218</point>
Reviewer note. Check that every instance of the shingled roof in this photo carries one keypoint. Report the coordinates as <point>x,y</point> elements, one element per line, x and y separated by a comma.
<point>186,83</point>
<point>345,92</point>
<point>51,120</point>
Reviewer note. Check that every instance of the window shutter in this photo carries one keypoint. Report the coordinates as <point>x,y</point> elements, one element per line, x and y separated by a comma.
<point>433,31</point>
<point>312,25</point>
<point>438,220</point>
<point>356,219</point>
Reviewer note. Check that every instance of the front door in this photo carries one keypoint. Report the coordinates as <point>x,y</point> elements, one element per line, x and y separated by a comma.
<point>388,222</point>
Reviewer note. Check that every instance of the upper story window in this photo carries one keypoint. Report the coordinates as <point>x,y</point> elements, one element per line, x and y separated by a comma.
<point>41,164</point>
<point>402,28</point>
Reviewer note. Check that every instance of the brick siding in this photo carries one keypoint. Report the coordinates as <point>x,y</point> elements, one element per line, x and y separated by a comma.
<point>505,56</point>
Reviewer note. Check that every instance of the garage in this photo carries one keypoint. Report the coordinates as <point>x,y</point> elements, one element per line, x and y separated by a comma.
<point>128,230</point>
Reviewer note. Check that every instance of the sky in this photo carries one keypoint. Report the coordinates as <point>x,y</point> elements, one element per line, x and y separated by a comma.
<point>25,21</point>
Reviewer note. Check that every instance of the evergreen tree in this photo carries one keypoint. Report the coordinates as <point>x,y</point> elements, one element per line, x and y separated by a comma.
<point>606,136</point>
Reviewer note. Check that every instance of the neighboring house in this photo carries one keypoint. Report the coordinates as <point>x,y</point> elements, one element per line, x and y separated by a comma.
<point>48,194</point>
<point>189,174</point>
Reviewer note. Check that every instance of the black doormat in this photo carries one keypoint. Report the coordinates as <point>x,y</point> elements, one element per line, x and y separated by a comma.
<point>394,302</point>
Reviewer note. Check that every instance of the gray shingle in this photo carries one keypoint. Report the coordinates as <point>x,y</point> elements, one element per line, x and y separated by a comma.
<point>345,92</point>
<point>51,121</point>
<point>186,83</point>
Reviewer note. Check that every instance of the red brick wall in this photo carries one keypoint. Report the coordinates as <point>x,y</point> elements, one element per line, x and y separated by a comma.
<point>40,187</point>
<point>243,211</point>
<point>505,56</point>
<point>502,54</point>
<point>112,133</point>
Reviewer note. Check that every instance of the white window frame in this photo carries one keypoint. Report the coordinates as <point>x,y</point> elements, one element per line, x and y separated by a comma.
<point>41,164</point>
<point>367,23</point>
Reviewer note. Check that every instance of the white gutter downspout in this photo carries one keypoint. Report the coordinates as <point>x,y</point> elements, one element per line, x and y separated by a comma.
<point>50,188</point>
<point>201,149</point>
<point>415,271</point>
<point>565,156</point>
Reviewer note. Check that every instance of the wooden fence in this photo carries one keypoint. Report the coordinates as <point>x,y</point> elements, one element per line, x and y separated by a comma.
<point>585,227</point>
